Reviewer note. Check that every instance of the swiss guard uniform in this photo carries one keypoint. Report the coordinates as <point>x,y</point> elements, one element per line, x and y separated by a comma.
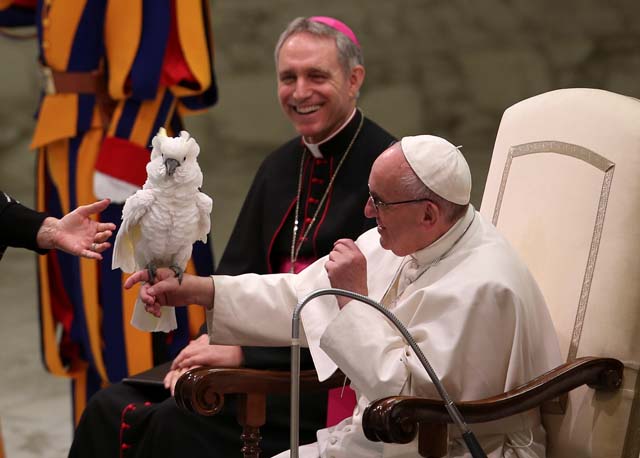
<point>114,72</point>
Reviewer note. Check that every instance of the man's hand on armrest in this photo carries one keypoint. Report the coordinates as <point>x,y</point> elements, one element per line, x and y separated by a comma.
<point>200,353</point>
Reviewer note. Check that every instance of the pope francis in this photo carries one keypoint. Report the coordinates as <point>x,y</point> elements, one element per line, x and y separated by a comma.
<point>456,284</point>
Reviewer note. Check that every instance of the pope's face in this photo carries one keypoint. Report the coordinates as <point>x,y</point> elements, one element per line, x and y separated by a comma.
<point>398,225</point>
<point>313,89</point>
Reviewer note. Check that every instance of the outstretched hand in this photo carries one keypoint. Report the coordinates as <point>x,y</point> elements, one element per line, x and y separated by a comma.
<point>347,269</point>
<point>166,290</point>
<point>76,233</point>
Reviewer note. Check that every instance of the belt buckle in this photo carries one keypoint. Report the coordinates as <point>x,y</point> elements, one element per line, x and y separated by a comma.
<point>48,83</point>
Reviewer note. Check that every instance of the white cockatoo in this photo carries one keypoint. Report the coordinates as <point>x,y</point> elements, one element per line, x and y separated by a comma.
<point>161,221</point>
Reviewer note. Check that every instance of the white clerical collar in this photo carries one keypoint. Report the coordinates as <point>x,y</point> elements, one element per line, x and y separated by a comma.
<point>315,147</point>
<point>440,248</point>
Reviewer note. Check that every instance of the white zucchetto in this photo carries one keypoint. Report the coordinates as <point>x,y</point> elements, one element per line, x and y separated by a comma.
<point>440,166</point>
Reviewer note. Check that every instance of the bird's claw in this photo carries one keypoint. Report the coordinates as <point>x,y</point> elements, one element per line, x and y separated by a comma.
<point>151,271</point>
<point>178,271</point>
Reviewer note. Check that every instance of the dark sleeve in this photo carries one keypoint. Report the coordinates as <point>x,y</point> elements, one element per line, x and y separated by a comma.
<point>246,251</point>
<point>243,249</point>
<point>275,358</point>
<point>17,16</point>
<point>270,195</point>
<point>19,225</point>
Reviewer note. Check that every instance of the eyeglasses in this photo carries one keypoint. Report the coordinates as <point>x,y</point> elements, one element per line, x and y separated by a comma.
<point>378,203</point>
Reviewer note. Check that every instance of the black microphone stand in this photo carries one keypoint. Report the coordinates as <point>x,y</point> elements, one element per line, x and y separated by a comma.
<point>468,436</point>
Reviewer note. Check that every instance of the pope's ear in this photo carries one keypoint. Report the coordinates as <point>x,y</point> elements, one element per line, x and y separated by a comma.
<point>431,213</point>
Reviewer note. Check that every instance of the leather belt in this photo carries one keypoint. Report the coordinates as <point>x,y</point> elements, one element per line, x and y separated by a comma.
<point>56,82</point>
<point>72,82</point>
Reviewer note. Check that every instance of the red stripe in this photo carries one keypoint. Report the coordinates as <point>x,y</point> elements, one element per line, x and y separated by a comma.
<point>284,219</point>
<point>124,160</point>
<point>306,197</point>
<point>61,309</point>
<point>26,3</point>
<point>174,66</point>
<point>275,234</point>
<point>324,212</point>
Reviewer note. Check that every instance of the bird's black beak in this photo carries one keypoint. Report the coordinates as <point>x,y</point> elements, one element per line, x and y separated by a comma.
<point>171,165</point>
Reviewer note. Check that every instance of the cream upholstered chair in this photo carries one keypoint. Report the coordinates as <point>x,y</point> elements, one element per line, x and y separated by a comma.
<point>564,188</point>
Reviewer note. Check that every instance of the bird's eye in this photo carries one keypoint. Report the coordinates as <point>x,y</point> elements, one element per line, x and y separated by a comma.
<point>185,158</point>
<point>162,155</point>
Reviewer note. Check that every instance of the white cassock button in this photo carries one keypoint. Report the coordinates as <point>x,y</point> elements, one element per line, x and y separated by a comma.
<point>333,440</point>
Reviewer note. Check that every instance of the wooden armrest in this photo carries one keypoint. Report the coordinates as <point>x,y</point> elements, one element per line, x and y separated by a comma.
<point>202,390</point>
<point>396,419</point>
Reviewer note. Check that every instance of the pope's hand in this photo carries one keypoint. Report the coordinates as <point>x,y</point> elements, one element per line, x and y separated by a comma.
<point>166,290</point>
<point>347,269</point>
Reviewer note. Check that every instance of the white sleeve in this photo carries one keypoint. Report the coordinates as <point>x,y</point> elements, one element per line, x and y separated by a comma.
<point>368,349</point>
<point>252,309</point>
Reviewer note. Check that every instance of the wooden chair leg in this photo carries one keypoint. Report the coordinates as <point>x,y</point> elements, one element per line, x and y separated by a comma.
<point>251,416</point>
<point>432,442</point>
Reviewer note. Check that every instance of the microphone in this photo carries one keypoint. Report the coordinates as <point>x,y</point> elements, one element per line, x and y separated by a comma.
<point>469,438</point>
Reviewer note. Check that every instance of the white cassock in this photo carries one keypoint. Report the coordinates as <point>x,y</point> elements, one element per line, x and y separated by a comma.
<point>471,305</point>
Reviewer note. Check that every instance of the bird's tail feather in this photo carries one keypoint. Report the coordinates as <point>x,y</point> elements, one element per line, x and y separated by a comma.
<point>145,321</point>
<point>123,253</point>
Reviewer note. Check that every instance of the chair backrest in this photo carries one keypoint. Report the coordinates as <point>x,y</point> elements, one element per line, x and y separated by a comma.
<point>564,188</point>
